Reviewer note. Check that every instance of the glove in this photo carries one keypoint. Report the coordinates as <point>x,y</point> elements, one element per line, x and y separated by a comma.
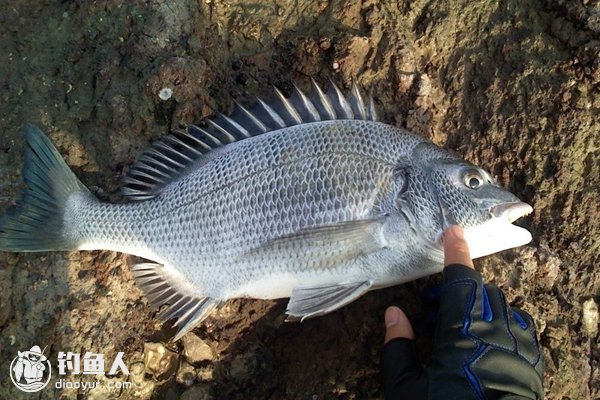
<point>483,348</point>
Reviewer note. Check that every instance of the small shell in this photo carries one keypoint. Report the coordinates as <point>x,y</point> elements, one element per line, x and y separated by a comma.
<point>165,93</point>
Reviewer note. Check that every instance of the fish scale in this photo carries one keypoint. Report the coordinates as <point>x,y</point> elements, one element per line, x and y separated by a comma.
<point>307,197</point>
<point>216,206</point>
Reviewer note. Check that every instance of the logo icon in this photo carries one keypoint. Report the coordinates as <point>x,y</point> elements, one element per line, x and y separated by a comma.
<point>30,370</point>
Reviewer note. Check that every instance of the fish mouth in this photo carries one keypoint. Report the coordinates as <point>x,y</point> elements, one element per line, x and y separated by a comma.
<point>498,233</point>
<point>512,211</point>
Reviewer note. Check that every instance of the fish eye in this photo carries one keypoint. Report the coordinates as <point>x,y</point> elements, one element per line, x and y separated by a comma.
<point>473,180</point>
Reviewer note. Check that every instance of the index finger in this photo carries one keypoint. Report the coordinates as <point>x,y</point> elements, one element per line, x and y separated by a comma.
<point>456,250</point>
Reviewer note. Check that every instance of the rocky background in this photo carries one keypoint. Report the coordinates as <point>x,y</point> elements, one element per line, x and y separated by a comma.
<point>513,86</point>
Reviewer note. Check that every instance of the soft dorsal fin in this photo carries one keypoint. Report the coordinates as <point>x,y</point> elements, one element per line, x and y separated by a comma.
<point>175,155</point>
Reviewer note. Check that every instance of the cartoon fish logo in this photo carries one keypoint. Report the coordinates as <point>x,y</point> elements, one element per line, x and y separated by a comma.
<point>28,370</point>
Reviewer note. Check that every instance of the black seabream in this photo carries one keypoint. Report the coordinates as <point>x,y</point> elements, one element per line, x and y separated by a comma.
<point>307,197</point>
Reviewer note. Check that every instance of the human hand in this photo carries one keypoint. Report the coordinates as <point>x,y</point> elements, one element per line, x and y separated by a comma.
<point>484,349</point>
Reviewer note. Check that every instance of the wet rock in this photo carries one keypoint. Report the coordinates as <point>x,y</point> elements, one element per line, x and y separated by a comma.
<point>549,267</point>
<point>358,50</point>
<point>227,311</point>
<point>159,361</point>
<point>205,373</point>
<point>142,388</point>
<point>325,43</point>
<point>196,349</point>
<point>244,367</point>
<point>198,392</point>
<point>186,374</point>
<point>136,373</point>
<point>171,393</point>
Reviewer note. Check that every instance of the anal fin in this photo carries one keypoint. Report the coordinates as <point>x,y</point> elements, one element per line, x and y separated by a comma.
<point>164,287</point>
<point>313,301</point>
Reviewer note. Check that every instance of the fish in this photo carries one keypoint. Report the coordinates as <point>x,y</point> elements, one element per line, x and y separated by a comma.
<point>306,196</point>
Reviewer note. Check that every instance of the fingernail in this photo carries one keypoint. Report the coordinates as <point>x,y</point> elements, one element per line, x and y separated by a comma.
<point>392,316</point>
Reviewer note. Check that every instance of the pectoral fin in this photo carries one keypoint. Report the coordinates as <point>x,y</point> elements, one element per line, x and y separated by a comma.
<point>328,245</point>
<point>312,301</point>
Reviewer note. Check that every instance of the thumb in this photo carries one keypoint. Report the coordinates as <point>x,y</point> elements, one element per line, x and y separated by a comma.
<point>397,325</point>
<point>401,371</point>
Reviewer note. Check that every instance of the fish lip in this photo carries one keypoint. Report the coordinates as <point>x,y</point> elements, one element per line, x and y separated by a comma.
<point>511,211</point>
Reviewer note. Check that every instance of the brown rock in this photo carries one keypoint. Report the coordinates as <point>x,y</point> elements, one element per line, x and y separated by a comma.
<point>196,350</point>
<point>159,361</point>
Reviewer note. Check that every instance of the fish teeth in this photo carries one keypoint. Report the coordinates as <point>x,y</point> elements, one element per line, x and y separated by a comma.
<point>511,211</point>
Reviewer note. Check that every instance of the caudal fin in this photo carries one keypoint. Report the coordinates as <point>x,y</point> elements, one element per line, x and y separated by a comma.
<point>35,223</point>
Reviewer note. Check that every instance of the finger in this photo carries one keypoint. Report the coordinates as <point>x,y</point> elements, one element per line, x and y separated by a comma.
<point>491,325</point>
<point>397,325</point>
<point>400,368</point>
<point>456,250</point>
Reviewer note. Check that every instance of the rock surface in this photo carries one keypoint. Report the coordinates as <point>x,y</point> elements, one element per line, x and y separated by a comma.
<point>512,86</point>
<point>159,361</point>
<point>197,350</point>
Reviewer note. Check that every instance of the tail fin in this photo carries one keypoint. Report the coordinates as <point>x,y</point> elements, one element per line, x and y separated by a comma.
<point>35,223</point>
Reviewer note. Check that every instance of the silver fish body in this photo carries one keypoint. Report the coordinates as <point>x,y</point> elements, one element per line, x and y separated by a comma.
<point>321,211</point>
<point>212,224</point>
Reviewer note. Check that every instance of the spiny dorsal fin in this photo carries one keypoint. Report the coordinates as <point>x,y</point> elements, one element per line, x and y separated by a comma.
<point>174,155</point>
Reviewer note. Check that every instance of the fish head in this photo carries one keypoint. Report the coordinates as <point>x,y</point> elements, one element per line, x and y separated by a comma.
<point>468,196</point>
